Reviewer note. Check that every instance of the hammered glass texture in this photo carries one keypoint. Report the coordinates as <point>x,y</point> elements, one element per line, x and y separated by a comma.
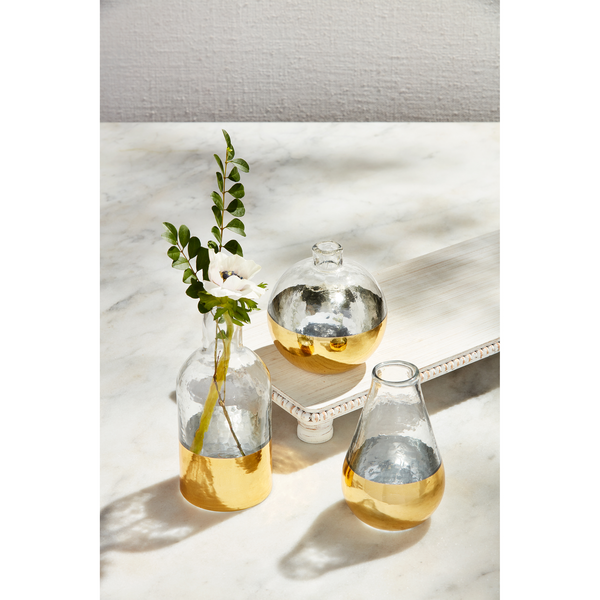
<point>327,298</point>
<point>247,394</point>
<point>393,477</point>
<point>327,302</point>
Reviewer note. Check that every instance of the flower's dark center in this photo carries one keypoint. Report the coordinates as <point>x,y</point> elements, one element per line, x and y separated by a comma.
<point>226,274</point>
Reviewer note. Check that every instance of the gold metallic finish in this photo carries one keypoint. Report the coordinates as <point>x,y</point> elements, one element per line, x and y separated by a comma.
<point>326,355</point>
<point>392,507</point>
<point>338,344</point>
<point>225,484</point>
<point>306,345</point>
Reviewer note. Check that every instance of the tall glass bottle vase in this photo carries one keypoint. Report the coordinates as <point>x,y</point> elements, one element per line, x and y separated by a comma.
<point>224,408</point>
<point>393,476</point>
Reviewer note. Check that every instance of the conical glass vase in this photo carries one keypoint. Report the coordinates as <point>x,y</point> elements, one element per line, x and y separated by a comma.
<point>224,409</point>
<point>327,314</point>
<point>393,476</point>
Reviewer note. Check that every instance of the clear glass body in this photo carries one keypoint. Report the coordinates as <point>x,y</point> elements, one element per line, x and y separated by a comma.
<point>327,314</point>
<point>393,476</point>
<point>224,410</point>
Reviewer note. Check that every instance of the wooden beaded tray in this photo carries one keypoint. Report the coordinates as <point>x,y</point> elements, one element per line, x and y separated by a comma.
<point>443,313</point>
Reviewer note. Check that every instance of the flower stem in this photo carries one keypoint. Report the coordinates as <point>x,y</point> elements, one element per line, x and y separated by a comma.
<point>224,192</point>
<point>188,260</point>
<point>222,404</point>
<point>214,393</point>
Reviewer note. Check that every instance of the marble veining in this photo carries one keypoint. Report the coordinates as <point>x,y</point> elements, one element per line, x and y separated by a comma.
<point>386,192</point>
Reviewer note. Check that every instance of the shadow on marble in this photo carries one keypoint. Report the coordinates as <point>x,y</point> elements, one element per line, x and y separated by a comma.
<point>154,517</point>
<point>290,454</point>
<point>463,384</point>
<point>337,539</point>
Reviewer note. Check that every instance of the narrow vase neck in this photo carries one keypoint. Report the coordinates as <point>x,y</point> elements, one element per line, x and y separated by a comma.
<point>212,329</point>
<point>327,256</point>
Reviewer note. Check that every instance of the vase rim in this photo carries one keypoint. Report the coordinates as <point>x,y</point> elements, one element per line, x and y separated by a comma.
<point>328,247</point>
<point>412,378</point>
<point>327,256</point>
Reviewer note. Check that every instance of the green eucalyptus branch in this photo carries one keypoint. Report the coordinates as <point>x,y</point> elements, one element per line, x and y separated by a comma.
<point>235,207</point>
<point>181,238</point>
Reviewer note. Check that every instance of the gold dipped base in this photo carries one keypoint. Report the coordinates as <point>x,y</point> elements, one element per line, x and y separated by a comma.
<point>392,507</point>
<point>225,484</point>
<point>326,355</point>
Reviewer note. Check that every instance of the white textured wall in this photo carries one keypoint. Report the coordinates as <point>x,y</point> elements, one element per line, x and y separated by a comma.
<point>294,60</point>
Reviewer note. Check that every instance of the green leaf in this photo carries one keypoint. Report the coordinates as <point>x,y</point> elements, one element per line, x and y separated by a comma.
<point>226,136</point>
<point>218,200</point>
<point>209,301</point>
<point>191,292</point>
<point>188,276</point>
<point>194,290</point>
<point>242,316</point>
<point>237,307</point>
<point>221,335</point>
<point>202,308</point>
<point>194,247</point>
<point>248,304</point>
<point>181,263</point>
<point>262,285</point>
<point>234,175</point>
<point>236,208</point>
<point>220,163</point>
<point>236,226</point>
<point>167,235</point>
<point>173,252</point>
<point>220,181</point>
<point>184,236</point>
<point>234,247</point>
<point>236,190</point>
<point>216,232</point>
<point>243,165</point>
<point>211,244</point>
<point>218,215</point>
<point>171,228</point>
<point>230,152</point>
<point>202,262</point>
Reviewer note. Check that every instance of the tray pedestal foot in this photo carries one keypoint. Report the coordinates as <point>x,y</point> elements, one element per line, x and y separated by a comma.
<point>315,433</point>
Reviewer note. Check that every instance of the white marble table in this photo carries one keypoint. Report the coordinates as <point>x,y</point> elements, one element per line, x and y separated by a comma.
<point>387,193</point>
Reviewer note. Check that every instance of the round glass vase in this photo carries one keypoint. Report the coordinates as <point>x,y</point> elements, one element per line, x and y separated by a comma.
<point>327,314</point>
<point>224,408</point>
<point>393,476</point>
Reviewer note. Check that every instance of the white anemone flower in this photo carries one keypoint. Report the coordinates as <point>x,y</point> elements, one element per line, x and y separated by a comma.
<point>229,276</point>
